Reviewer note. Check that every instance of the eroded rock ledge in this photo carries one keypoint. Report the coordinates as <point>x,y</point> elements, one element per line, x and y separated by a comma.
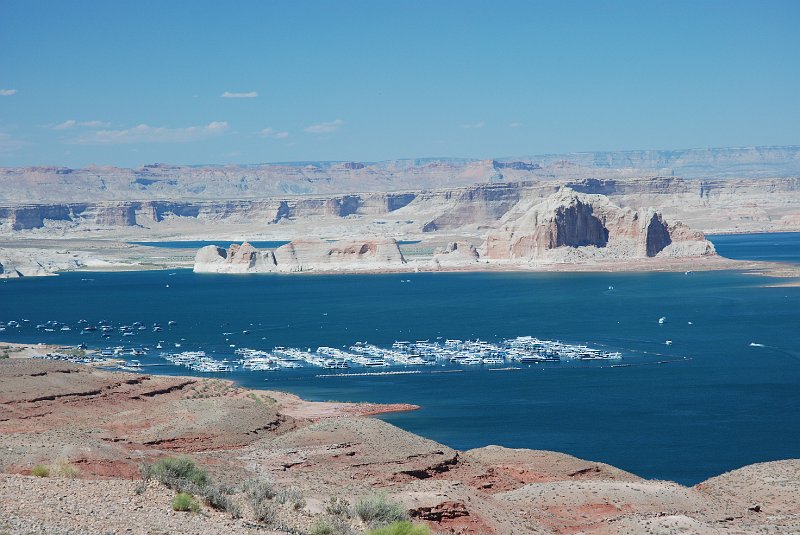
<point>569,222</point>
<point>105,424</point>
<point>566,228</point>
<point>302,255</point>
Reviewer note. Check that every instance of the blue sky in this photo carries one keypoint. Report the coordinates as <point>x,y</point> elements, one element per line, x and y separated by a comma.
<point>190,82</point>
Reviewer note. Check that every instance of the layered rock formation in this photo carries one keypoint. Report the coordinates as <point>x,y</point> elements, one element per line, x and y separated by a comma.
<point>727,205</point>
<point>345,255</point>
<point>164,181</point>
<point>28,262</point>
<point>237,259</point>
<point>540,231</point>
<point>101,215</point>
<point>457,253</point>
<point>302,255</point>
<point>60,414</point>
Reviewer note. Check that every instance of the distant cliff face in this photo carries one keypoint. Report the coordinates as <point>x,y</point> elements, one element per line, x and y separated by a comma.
<point>149,213</point>
<point>723,204</point>
<point>171,182</point>
<point>302,255</point>
<point>568,219</point>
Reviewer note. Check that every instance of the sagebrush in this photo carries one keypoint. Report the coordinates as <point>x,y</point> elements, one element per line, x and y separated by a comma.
<point>379,509</point>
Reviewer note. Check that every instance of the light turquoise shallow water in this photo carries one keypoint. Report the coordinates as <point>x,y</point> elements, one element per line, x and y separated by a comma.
<point>728,404</point>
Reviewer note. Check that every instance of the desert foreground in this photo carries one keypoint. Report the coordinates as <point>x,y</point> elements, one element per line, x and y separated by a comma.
<point>94,430</point>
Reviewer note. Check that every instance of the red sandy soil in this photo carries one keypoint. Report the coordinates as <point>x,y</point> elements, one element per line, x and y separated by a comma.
<point>106,424</point>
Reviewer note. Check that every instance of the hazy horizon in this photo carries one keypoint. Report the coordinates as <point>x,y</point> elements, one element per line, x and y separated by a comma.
<point>521,157</point>
<point>91,82</point>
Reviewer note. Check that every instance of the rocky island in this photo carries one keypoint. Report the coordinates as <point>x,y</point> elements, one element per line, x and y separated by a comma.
<point>565,228</point>
<point>302,255</point>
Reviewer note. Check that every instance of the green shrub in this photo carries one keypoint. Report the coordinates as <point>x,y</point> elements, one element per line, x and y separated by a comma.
<point>403,527</point>
<point>258,490</point>
<point>40,471</point>
<point>338,507</point>
<point>63,468</point>
<point>217,497</point>
<point>185,502</point>
<point>379,509</point>
<point>177,473</point>
<point>335,525</point>
<point>291,496</point>
<point>265,512</point>
<point>323,526</point>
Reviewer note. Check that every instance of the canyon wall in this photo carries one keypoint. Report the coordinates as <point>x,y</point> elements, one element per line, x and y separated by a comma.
<point>711,205</point>
<point>212,182</point>
<point>569,222</point>
<point>149,213</point>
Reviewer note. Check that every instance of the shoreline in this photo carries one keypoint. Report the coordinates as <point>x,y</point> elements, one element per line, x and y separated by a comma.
<point>780,270</point>
<point>91,255</point>
<point>293,404</point>
<point>319,450</point>
<point>299,408</point>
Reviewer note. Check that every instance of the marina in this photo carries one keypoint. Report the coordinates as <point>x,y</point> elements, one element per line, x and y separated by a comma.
<point>522,349</point>
<point>710,379</point>
<point>518,350</point>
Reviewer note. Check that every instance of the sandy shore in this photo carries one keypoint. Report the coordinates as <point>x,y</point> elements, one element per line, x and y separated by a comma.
<point>114,256</point>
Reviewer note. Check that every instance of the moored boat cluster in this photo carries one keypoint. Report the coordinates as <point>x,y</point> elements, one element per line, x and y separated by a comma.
<point>522,349</point>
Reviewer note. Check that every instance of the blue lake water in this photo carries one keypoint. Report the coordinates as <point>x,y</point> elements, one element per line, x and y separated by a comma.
<point>720,403</point>
<point>783,247</point>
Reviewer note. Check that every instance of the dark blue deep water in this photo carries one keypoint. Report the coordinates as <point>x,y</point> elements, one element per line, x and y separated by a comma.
<point>708,403</point>
<point>783,247</point>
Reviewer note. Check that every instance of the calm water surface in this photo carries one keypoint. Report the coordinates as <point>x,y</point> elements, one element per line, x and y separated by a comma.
<point>783,247</point>
<point>719,403</point>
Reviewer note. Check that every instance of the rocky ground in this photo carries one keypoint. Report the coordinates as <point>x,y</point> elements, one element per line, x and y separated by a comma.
<point>102,426</point>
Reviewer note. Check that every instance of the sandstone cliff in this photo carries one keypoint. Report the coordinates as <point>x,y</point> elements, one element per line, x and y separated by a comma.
<point>345,255</point>
<point>237,259</point>
<point>163,181</point>
<point>568,222</point>
<point>28,262</point>
<point>302,255</point>
<point>457,253</point>
<point>727,205</point>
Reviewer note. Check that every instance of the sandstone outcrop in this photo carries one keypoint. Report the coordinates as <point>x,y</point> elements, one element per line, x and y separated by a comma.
<point>547,230</point>
<point>302,255</point>
<point>24,262</point>
<point>345,255</point>
<point>456,253</point>
<point>237,259</point>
